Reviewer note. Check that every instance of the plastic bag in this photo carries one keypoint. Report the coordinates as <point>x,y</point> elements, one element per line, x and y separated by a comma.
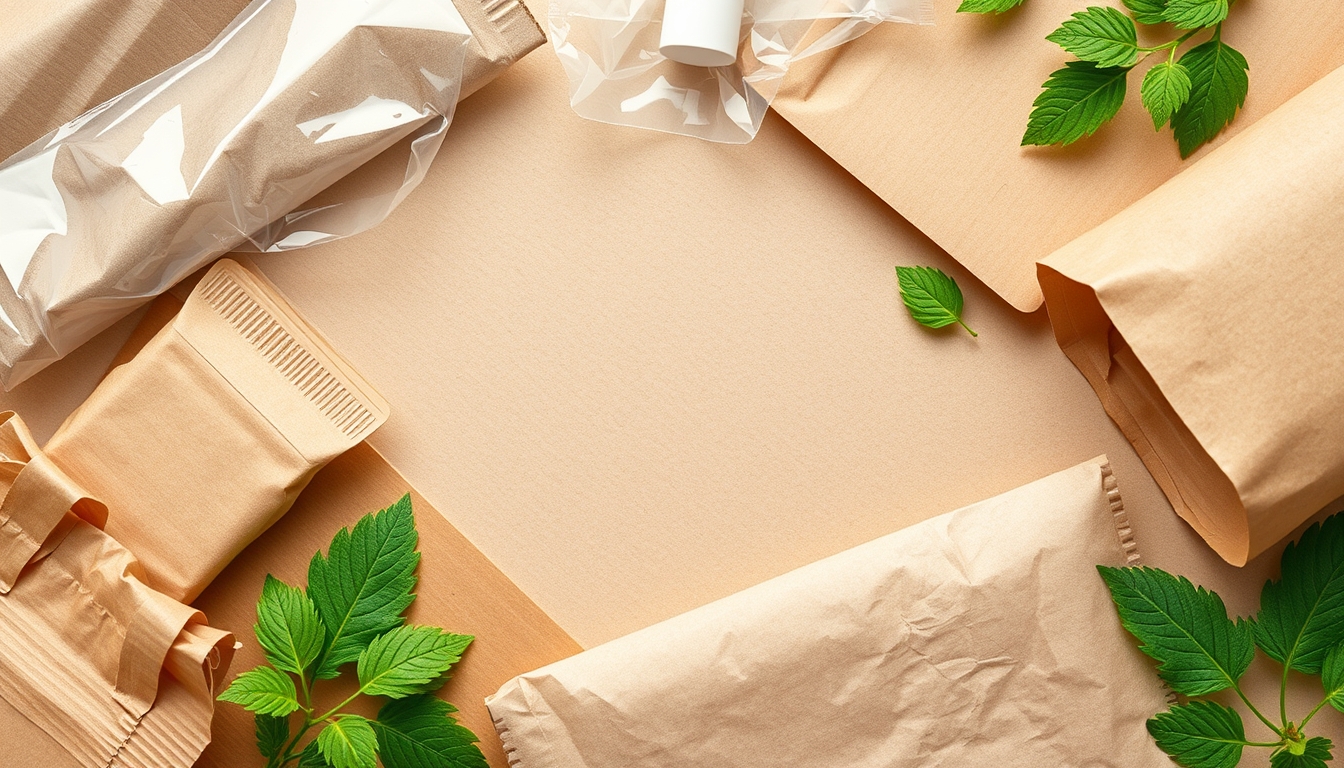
<point>118,205</point>
<point>609,49</point>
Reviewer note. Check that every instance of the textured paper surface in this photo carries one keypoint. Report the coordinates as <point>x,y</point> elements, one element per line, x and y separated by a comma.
<point>1207,317</point>
<point>931,120</point>
<point>981,637</point>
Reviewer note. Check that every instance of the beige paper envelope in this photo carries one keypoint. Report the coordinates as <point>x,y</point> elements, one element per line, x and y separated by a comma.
<point>931,118</point>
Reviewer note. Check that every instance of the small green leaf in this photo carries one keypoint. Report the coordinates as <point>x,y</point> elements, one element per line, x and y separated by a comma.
<point>409,660</point>
<point>311,757</point>
<point>1077,100</point>
<point>264,691</point>
<point>364,583</point>
<point>1198,649</point>
<point>1302,614</point>
<point>1194,14</point>
<point>1166,88</point>
<point>349,742</point>
<point>1312,753</point>
<point>288,627</point>
<point>1148,11</point>
<point>1219,85</point>
<point>1200,734</point>
<point>420,732</point>
<point>933,298</point>
<point>1099,34</point>
<point>1332,677</point>
<point>272,733</point>
<point>988,6</point>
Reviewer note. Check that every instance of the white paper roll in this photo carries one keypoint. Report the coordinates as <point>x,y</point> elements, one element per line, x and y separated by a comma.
<point>702,33</point>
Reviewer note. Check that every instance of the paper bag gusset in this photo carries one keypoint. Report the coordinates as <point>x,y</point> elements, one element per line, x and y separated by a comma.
<point>972,639</point>
<point>208,435</point>
<point>115,672</point>
<point>1208,318</point>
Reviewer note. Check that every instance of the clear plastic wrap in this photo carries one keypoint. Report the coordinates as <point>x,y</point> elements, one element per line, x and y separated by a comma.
<point>609,49</point>
<point>121,203</point>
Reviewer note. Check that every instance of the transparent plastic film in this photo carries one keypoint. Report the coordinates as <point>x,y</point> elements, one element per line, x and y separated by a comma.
<point>224,151</point>
<point>610,51</point>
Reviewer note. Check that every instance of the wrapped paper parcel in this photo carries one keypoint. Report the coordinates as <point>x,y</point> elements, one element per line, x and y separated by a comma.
<point>972,639</point>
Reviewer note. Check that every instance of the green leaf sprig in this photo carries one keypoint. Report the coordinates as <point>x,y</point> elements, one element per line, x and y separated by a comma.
<point>933,298</point>
<point>1200,650</point>
<point>352,611</point>
<point>1197,94</point>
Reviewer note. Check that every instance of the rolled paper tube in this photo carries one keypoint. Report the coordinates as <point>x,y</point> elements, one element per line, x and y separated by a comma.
<point>702,33</point>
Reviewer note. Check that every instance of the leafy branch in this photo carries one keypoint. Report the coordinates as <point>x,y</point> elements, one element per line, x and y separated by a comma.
<point>1200,651</point>
<point>352,612</point>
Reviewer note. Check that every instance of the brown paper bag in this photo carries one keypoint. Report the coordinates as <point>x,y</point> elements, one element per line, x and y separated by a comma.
<point>1207,317</point>
<point>973,639</point>
<point>931,119</point>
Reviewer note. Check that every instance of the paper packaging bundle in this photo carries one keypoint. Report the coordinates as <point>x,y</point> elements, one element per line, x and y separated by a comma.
<point>975,638</point>
<point>1207,317</point>
<point>119,204</point>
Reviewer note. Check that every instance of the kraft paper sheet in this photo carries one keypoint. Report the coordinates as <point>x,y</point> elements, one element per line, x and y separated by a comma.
<point>931,120</point>
<point>1207,317</point>
<point>983,637</point>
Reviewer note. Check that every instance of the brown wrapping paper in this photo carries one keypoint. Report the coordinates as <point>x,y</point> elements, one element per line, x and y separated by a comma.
<point>980,638</point>
<point>1207,318</point>
<point>931,120</point>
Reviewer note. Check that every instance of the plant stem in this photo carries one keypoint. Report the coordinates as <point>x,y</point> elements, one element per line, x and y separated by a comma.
<point>335,710</point>
<point>967,327</point>
<point>1256,712</point>
<point>1283,697</point>
<point>1307,719</point>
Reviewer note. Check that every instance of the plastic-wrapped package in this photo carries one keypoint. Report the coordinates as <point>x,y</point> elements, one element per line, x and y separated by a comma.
<point>609,49</point>
<point>116,206</point>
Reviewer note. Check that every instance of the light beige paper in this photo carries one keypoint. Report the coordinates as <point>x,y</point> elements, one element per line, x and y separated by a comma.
<point>931,120</point>
<point>980,638</point>
<point>1207,316</point>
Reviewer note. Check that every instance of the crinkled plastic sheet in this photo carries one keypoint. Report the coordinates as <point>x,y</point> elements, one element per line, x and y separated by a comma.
<point>609,49</point>
<point>215,154</point>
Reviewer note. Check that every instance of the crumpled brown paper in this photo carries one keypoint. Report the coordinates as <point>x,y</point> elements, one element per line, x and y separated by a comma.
<point>1207,316</point>
<point>980,638</point>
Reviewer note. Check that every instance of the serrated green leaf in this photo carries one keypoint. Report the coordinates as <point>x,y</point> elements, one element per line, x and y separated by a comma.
<point>933,299</point>
<point>420,732</point>
<point>1314,754</point>
<point>288,627</point>
<point>349,742</point>
<point>1332,676</point>
<point>272,733</point>
<point>1199,650</point>
<point>1148,11</point>
<point>1166,88</point>
<point>1219,84</point>
<point>311,757</point>
<point>364,583</point>
<point>264,691</point>
<point>987,6</point>
<point>1077,100</point>
<point>1194,14</point>
<point>409,660</point>
<point>1101,35</point>
<point>1302,614</point>
<point>1200,734</point>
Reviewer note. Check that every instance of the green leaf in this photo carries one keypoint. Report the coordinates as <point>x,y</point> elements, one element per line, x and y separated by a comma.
<point>419,732</point>
<point>988,6</point>
<point>1200,734</point>
<point>1166,88</point>
<point>1198,649</point>
<point>1332,677</point>
<point>1193,14</point>
<point>933,298</point>
<point>1302,615</point>
<point>311,757</point>
<point>349,742</point>
<point>1312,753</point>
<point>365,582</point>
<point>1148,11</point>
<point>272,733</point>
<point>1219,85</point>
<point>1077,100</point>
<point>1099,34</point>
<point>263,690</point>
<point>288,627</point>
<point>409,660</point>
